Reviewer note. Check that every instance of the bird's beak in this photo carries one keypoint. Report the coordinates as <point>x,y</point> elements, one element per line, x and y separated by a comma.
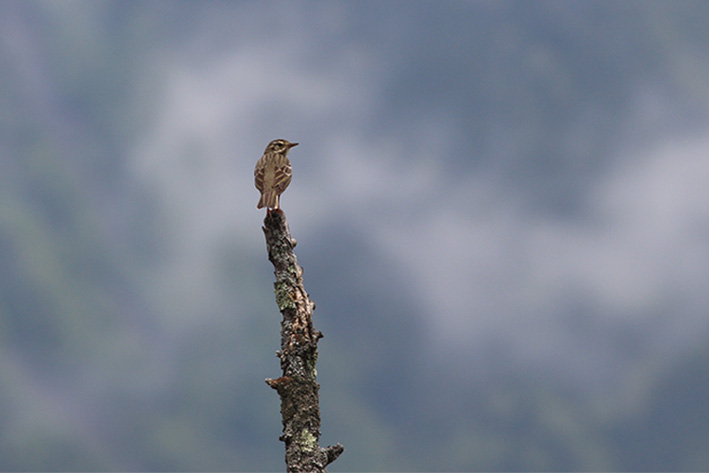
<point>290,145</point>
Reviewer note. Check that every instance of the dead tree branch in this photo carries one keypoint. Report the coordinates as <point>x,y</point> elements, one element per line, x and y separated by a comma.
<point>297,388</point>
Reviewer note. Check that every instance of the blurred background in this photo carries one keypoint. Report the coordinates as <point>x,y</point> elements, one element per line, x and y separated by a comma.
<point>502,210</point>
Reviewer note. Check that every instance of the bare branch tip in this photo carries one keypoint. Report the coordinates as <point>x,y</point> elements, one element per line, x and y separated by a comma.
<point>333,451</point>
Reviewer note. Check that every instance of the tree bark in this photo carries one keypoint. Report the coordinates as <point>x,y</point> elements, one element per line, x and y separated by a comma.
<point>297,388</point>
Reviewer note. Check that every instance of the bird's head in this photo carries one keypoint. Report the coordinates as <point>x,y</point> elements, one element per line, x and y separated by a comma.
<point>279,146</point>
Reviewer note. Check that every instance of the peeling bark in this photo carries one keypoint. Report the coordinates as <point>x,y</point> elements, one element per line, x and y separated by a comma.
<point>297,387</point>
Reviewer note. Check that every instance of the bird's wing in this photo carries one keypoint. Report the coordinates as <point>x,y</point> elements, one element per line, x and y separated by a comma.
<point>282,174</point>
<point>259,175</point>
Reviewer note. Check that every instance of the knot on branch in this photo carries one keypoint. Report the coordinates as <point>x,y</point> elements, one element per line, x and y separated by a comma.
<point>332,452</point>
<point>279,384</point>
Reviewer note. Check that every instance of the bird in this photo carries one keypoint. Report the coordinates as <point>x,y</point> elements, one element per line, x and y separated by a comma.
<point>273,173</point>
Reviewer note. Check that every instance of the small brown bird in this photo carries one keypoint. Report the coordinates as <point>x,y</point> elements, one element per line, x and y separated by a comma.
<point>273,173</point>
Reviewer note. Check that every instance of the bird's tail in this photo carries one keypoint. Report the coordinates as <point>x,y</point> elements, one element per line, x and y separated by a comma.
<point>268,200</point>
